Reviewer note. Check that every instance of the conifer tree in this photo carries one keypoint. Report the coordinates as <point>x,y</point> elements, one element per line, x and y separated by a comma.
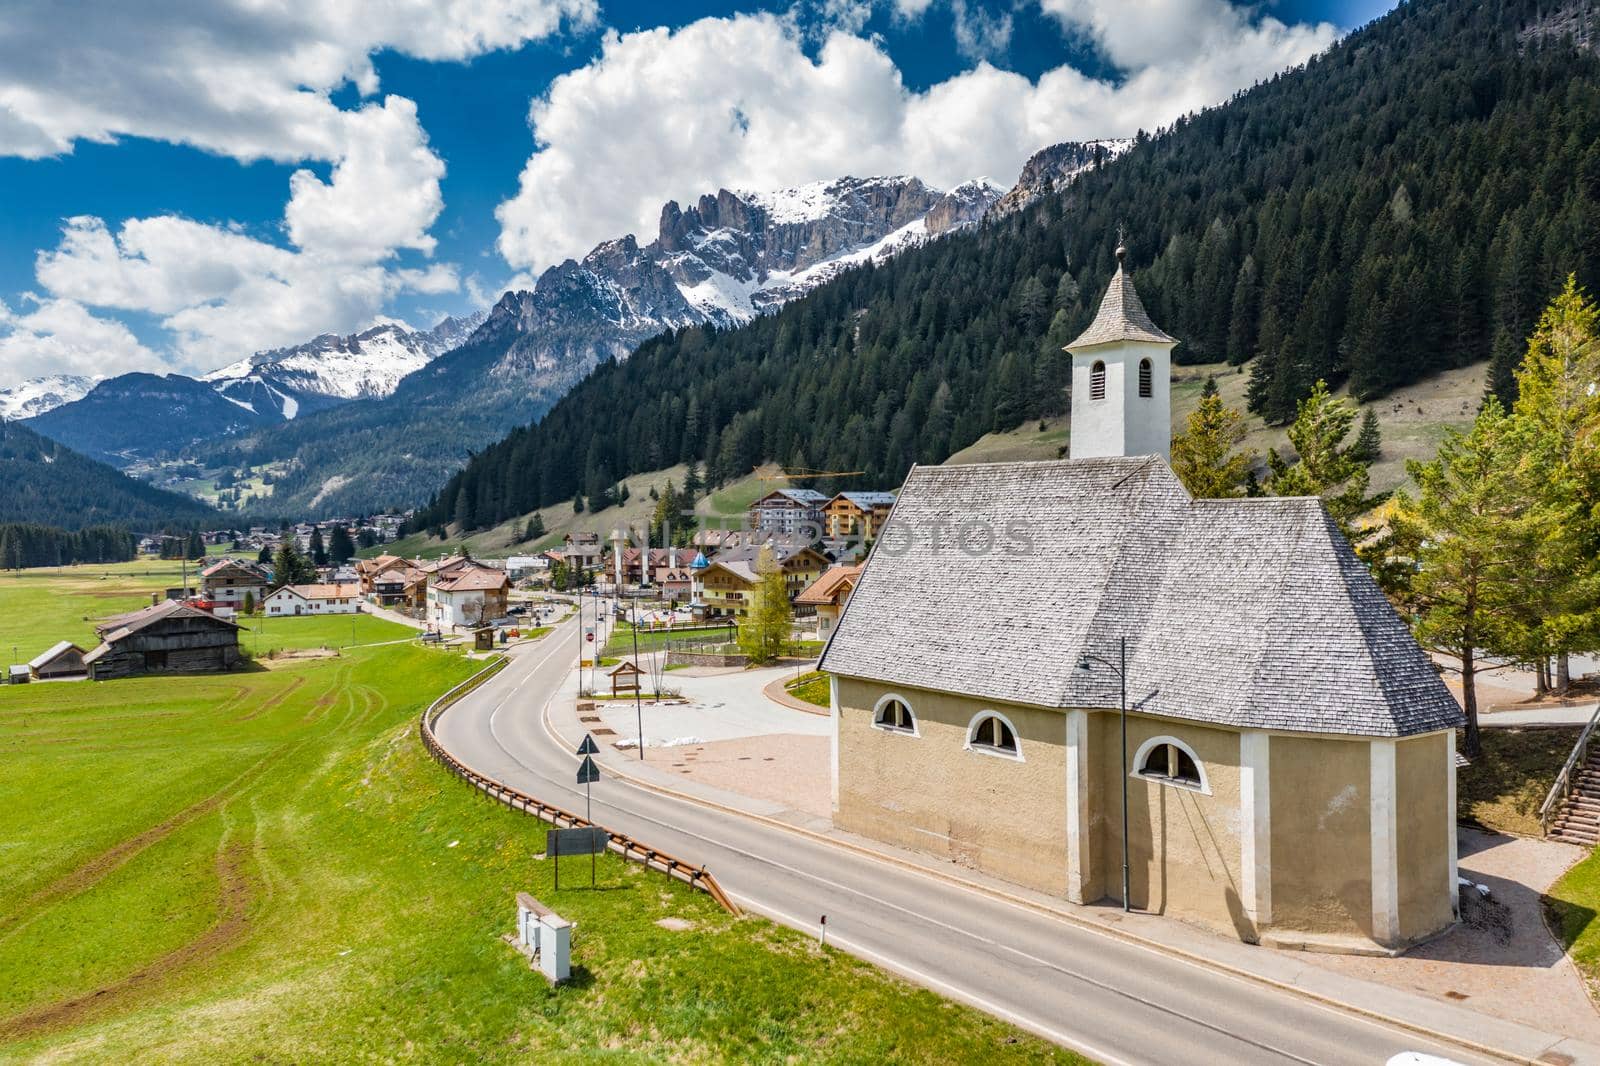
<point>1325,465</point>
<point>765,630</point>
<point>1462,533</point>
<point>1558,411</point>
<point>340,547</point>
<point>1369,441</point>
<point>1203,455</point>
<point>319,553</point>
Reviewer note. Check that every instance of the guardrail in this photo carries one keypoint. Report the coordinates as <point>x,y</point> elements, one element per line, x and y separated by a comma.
<point>651,858</point>
<point>1563,783</point>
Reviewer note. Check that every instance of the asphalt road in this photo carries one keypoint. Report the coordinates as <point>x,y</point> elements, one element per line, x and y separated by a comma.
<point>1111,1000</point>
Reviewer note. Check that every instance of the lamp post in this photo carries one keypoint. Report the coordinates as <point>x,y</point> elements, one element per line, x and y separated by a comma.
<point>638,699</point>
<point>1121,667</point>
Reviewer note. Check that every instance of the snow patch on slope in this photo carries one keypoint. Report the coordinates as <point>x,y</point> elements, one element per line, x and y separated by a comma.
<point>38,395</point>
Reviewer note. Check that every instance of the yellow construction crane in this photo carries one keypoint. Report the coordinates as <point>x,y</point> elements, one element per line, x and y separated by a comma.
<point>800,475</point>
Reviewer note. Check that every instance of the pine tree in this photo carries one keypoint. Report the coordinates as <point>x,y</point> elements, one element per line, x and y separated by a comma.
<point>1369,442</point>
<point>766,628</point>
<point>1203,456</point>
<point>319,554</point>
<point>341,549</point>
<point>1461,536</point>
<point>1558,411</point>
<point>535,527</point>
<point>289,567</point>
<point>1325,465</point>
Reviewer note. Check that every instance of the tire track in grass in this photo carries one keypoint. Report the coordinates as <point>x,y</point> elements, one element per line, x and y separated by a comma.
<point>273,701</point>
<point>237,895</point>
<point>86,874</point>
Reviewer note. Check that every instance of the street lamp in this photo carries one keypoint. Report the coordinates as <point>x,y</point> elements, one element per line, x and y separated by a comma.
<point>1085,662</point>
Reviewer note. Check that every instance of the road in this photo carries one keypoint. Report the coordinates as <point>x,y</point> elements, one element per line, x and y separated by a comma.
<point>1109,999</point>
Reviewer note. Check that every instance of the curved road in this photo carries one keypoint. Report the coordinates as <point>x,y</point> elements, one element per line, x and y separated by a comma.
<point>1111,1000</point>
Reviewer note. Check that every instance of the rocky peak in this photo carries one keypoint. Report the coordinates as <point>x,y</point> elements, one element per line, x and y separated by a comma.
<point>1054,168</point>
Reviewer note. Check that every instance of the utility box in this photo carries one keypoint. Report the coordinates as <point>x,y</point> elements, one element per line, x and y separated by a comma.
<point>527,922</point>
<point>555,948</point>
<point>546,937</point>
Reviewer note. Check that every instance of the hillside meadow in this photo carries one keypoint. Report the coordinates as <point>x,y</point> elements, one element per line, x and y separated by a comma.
<point>265,865</point>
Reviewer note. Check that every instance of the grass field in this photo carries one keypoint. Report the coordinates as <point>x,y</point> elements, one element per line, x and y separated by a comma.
<point>1412,421</point>
<point>1502,790</point>
<point>811,687</point>
<point>1571,908</point>
<point>40,607</point>
<point>724,506</point>
<point>265,865</point>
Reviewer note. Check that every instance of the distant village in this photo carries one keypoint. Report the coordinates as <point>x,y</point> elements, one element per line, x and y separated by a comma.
<point>817,542</point>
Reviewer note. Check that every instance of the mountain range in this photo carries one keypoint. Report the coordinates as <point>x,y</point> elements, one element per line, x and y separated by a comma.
<point>374,418</point>
<point>1403,204</point>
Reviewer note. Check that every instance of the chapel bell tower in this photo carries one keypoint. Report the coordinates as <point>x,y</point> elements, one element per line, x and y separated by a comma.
<point>1121,378</point>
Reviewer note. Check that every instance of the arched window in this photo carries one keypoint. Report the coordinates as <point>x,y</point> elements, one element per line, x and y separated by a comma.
<point>1144,379</point>
<point>993,734</point>
<point>1097,381</point>
<point>1171,762</point>
<point>894,714</point>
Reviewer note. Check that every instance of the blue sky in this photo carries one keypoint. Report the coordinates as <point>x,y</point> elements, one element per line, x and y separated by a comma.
<point>420,188</point>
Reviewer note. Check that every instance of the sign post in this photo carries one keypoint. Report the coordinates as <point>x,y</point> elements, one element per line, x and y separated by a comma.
<point>588,774</point>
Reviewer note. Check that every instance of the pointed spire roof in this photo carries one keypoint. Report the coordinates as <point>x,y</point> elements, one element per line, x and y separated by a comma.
<point>1122,316</point>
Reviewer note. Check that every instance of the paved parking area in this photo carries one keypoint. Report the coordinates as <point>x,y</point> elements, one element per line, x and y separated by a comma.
<point>1500,960</point>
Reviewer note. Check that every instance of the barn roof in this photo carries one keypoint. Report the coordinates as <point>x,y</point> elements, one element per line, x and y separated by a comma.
<point>44,658</point>
<point>119,626</point>
<point>992,581</point>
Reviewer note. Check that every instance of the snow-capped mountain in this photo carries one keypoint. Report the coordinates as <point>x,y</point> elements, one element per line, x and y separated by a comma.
<point>38,395</point>
<point>330,369</point>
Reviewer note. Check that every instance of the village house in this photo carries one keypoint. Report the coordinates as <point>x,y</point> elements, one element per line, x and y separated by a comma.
<point>728,584</point>
<point>227,582</point>
<point>314,599</point>
<point>1289,763</point>
<point>167,637</point>
<point>61,660</point>
<point>582,551</point>
<point>368,570</point>
<point>827,596</point>
<point>470,598</point>
<point>402,587</point>
<point>788,511</point>
<point>856,515</point>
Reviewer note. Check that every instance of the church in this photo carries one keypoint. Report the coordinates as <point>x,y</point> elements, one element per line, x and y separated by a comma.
<point>1073,676</point>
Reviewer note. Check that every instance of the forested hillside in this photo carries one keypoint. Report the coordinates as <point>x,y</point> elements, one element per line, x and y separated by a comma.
<point>47,483</point>
<point>1403,204</point>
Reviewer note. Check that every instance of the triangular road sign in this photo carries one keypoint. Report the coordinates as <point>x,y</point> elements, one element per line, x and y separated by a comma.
<point>588,772</point>
<point>588,747</point>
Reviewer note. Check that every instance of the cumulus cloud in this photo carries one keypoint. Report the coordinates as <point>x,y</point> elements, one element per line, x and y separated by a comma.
<point>223,294</point>
<point>62,337</point>
<point>247,80</point>
<point>737,103</point>
<point>239,77</point>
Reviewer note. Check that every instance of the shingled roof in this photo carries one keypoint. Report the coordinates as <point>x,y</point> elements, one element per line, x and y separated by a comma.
<point>1253,614</point>
<point>1121,317</point>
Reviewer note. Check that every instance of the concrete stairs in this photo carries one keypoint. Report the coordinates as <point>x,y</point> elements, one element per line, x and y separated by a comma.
<point>1577,820</point>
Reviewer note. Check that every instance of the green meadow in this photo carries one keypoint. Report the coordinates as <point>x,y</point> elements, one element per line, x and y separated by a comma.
<point>265,865</point>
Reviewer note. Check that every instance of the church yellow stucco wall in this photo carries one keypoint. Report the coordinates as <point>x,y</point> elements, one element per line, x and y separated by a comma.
<point>1009,818</point>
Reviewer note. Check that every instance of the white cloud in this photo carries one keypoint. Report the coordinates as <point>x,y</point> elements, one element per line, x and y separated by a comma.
<point>243,78</point>
<point>737,103</point>
<point>61,337</point>
<point>224,294</point>
<point>979,33</point>
<point>247,80</point>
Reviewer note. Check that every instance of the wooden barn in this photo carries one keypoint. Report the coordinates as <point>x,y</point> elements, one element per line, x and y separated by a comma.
<point>166,638</point>
<point>63,660</point>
